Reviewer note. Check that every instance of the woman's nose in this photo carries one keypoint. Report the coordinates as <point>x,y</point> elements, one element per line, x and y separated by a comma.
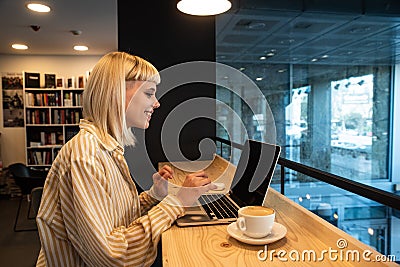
<point>156,104</point>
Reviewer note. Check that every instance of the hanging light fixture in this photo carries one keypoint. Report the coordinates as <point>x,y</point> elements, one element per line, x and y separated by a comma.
<point>38,7</point>
<point>204,7</point>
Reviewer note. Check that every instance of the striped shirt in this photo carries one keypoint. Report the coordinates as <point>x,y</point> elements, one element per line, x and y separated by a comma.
<point>91,213</point>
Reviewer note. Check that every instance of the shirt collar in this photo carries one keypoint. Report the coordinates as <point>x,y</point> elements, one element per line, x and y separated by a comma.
<point>109,143</point>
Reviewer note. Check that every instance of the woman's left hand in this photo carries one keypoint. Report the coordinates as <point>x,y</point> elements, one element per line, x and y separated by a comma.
<point>160,181</point>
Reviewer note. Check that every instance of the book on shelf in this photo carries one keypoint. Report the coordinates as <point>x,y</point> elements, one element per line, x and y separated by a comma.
<point>49,80</point>
<point>43,138</point>
<point>39,158</point>
<point>71,82</point>
<point>60,82</point>
<point>70,132</point>
<point>81,81</point>
<point>34,144</point>
<point>56,117</point>
<point>32,79</point>
<point>29,99</point>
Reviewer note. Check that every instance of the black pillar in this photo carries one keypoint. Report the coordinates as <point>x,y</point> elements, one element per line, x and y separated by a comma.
<point>158,32</point>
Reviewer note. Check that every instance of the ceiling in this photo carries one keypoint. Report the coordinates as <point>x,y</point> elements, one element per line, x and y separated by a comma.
<point>352,32</point>
<point>323,32</point>
<point>97,19</point>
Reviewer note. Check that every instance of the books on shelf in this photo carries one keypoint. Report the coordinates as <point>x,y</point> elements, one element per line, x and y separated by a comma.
<point>41,157</point>
<point>37,116</point>
<point>43,99</point>
<point>53,108</point>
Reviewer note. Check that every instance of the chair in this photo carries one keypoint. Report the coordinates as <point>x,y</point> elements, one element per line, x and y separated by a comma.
<point>36,197</point>
<point>31,183</point>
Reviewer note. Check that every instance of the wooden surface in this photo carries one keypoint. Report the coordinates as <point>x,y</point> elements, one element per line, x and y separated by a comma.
<point>212,246</point>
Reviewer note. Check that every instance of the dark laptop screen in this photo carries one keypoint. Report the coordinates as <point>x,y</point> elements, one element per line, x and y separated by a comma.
<point>254,172</point>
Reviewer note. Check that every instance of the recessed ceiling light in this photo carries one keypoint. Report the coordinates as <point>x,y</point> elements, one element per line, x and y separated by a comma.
<point>270,54</point>
<point>281,70</point>
<point>242,69</point>
<point>38,7</point>
<point>81,48</point>
<point>204,7</point>
<point>263,58</point>
<point>325,56</point>
<point>259,79</point>
<point>19,46</point>
<point>314,59</point>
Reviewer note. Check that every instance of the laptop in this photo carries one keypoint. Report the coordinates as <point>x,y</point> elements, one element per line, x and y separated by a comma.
<point>249,187</point>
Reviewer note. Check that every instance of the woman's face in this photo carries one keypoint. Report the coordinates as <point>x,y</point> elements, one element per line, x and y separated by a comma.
<point>140,103</point>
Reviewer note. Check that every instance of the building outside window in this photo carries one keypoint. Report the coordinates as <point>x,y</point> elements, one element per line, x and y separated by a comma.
<point>332,111</point>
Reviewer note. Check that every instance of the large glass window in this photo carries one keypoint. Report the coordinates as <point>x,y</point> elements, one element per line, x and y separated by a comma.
<point>327,79</point>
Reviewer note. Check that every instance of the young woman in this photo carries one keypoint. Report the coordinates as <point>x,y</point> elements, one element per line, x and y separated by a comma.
<point>91,213</point>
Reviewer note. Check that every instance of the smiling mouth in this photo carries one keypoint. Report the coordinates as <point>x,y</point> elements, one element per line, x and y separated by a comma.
<point>148,113</point>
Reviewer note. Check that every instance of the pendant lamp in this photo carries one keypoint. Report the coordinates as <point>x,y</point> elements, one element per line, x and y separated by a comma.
<point>204,7</point>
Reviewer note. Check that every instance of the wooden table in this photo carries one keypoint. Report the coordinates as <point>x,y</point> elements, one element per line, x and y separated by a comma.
<point>208,246</point>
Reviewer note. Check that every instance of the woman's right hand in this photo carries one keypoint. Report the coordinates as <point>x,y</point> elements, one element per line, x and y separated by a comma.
<point>193,187</point>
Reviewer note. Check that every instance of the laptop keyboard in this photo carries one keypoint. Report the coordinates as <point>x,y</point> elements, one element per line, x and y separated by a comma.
<point>218,206</point>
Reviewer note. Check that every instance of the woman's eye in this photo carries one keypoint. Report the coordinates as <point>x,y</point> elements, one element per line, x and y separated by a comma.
<point>149,95</point>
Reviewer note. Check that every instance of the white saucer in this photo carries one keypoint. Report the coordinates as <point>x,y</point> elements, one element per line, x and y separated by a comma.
<point>278,232</point>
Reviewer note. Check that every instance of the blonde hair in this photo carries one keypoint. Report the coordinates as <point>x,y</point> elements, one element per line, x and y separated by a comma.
<point>105,92</point>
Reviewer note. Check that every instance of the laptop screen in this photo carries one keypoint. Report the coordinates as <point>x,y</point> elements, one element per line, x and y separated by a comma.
<point>254,172</point>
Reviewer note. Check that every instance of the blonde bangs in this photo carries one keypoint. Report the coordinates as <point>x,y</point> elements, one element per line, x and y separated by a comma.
<point>142,70</point>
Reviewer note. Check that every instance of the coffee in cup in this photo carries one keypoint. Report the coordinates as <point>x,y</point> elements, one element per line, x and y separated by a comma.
<point>256,221</point>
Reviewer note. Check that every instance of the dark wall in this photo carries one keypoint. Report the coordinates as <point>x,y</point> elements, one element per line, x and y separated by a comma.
<point>158,32</point>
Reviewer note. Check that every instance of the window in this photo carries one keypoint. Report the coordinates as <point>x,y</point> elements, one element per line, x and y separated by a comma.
<point>329,86</point>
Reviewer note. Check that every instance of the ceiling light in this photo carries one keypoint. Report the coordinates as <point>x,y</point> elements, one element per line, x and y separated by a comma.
<point>314,59</point>
<point>81,48</point>
<point>204,7</point>
<point>281,70</point>
<point>370,231</point>
<point>271,54</point>
<point>19,46</point>
<point>325,56</point>
<point>38,7</point>
<point>263,58</point>
<point>242,69</point>
<point>259,79</point>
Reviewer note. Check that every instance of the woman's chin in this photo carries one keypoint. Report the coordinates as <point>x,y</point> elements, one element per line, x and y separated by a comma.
<point>146,125</point>
<point>142,125</point>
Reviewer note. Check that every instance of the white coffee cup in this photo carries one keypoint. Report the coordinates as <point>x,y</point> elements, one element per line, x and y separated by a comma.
<point>256,221</point>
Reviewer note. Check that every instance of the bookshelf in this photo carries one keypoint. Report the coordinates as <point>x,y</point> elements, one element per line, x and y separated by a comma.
<point>51,118</point>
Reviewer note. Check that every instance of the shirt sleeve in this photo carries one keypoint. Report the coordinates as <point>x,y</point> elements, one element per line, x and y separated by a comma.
<point>147,201</point>
<point>99,241</point>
